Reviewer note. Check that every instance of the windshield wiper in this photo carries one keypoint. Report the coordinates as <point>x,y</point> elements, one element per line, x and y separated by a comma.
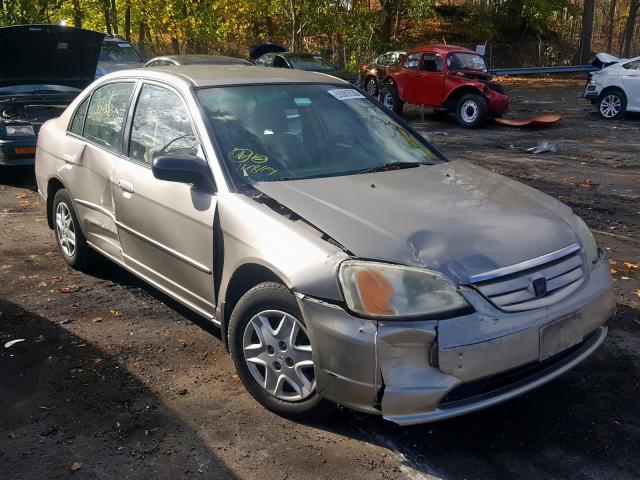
<point>392,166</point>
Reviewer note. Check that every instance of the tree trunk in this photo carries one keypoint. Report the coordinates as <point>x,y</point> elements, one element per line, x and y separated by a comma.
<point>141,33</point>
<point>294,21</point>
<point>587,32</point>
<point>630,28</point>
<point>388,10</point>
<point>612,19</point>
<point>114,16</point>
<point>77,14</point>
<point>127,20</point>
<point>107,20</point>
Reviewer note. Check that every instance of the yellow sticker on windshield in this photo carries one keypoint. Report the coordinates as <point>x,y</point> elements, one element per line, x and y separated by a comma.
<point>251,163</point>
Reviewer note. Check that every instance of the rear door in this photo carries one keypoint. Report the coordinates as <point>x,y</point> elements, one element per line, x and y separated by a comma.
<point>631,80</point>
<point>166,228</point>
<point>429,81</point>
<point>95,139</point>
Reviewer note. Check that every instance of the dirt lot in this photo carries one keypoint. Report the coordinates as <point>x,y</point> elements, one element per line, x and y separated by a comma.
<point>118,378</point>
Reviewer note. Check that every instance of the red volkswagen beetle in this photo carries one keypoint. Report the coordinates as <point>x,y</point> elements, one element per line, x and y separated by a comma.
<point>447,79</point>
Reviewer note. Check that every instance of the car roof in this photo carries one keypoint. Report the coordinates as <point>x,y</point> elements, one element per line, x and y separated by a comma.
<point>437,48</point>
<point>218,75</point>
<point>202,59</point>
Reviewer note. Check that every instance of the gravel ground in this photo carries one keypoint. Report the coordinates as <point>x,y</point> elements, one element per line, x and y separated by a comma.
<point>114,380</point>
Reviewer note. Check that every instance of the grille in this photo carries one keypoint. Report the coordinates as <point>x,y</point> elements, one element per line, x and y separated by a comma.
<point>512,289</point>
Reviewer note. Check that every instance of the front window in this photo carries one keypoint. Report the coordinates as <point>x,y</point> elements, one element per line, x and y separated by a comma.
<point>466,61</point>
<point>311,63</point>
<point>161,126</point>
<point>290,132</point>
<point>411,61</point>
<point>119,52</point>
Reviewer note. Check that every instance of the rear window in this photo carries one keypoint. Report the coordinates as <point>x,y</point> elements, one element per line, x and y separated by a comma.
<point>106,114</point>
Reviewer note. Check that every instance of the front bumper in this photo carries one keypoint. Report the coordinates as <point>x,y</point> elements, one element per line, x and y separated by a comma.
<point>497,103</point>
<point>421,371</point>
<point>12,152</point>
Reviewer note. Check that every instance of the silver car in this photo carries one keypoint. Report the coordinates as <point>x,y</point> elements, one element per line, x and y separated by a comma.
<point>345,260</point>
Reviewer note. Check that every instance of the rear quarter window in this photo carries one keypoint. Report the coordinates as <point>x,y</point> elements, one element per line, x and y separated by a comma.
<point>77,123</point>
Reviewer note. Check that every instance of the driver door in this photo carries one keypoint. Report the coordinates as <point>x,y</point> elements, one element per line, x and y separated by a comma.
<point>429,81</point>
<point>166,228</point>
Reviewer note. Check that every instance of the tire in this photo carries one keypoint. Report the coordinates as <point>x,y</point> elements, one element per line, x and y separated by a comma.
<point>371,86</point>
<point>390,98</point>
<point>471,110</point>
<point>70,240</point>
<point>612,104</point>
<point>280,377</point>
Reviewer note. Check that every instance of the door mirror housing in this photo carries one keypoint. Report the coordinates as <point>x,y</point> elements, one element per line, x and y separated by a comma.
<point>183,169</point>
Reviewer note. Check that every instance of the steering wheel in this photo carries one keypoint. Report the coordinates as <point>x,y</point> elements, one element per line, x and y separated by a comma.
<point>166,147</point>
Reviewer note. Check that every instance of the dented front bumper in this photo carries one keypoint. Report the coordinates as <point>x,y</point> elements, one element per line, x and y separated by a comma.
<point>421,371</point>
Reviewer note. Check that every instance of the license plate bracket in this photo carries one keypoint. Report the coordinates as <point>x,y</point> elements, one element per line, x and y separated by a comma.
<point>561,334</point>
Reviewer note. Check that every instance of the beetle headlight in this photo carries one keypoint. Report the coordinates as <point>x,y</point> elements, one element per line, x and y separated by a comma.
<point>383,290</point>
<point>19,130</point>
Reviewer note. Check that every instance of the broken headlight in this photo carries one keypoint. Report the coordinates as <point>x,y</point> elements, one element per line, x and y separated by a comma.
<point>19,130</point>
<point>382,290</point>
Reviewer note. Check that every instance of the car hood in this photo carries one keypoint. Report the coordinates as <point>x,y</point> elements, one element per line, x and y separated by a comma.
<point>48,54</point>
<point>455,218</point>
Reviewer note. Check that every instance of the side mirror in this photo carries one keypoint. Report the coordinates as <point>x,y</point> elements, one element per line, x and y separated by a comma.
<point>183,169</point>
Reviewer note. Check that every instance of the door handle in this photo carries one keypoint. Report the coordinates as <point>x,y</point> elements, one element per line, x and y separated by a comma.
<point>125,186</point>
<point>69,159</point>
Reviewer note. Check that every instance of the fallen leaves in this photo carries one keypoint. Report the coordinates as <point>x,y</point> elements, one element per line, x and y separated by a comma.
<point>96,319</point>
<point>75,466</point>
<point>630,266</point>
<point>115,313</point>
<point>69,289</point>
<point>588,183</point>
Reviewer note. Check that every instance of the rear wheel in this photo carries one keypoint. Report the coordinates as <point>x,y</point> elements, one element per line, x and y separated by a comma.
<point>69,237</point>
<point>472,110</point>
<point>612,104</point>
<point>391,99</point>
<point>272,353</point>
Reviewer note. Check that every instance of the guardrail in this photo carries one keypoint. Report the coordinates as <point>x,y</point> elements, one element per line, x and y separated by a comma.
<point>543,70</point>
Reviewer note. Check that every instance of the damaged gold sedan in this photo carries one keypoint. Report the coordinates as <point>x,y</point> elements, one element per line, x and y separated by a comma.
<point>345,260</point>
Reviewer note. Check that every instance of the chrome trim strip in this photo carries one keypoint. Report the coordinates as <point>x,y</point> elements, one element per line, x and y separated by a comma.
<point>189,261</point>
<point>97,208</point>
<point>156,285</point>
<point>527,264</point>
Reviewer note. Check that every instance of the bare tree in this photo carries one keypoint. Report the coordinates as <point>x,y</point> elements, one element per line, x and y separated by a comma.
<point>587,31</point>
<point>629,29</point>
<point>612,19</point>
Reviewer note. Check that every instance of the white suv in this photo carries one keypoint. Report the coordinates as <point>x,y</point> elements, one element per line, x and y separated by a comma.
<point>615,89</point>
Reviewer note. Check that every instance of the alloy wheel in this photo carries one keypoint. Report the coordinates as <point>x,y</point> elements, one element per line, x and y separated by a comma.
<point>470,111</point>
<point>371,86</point>
<point>278,354</point>
<point>610,106</point>
<point>65,230</point>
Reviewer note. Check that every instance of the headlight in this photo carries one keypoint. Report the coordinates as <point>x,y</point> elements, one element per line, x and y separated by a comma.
<point>383,290</point>
<point>586,239</point>
<point>19,130</point>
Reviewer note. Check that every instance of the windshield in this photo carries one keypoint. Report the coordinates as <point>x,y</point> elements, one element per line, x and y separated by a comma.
<point>312,63</point>
<point>290,132</point>
<point>466,61</point>
<point>120,52</point>
<point>39,88</point>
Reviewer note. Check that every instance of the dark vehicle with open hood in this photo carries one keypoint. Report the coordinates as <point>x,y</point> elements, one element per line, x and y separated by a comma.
<point>42,69</point>
<point>447,79</point>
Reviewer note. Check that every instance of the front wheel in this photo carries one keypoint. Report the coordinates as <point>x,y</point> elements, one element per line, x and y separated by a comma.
<point>272,353</point>
<point>391,99</point>
<point>612,105</point>
<point>472,110</point>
